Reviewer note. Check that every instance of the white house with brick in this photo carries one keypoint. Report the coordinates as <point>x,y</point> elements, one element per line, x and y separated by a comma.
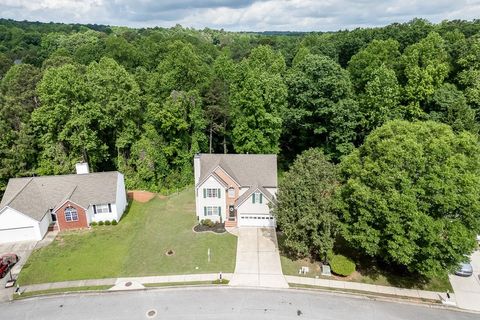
<point>236,188</point>
<point>31,205</point>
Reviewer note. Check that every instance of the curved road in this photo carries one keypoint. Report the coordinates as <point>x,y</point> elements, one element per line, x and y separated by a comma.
<point>220,303</point>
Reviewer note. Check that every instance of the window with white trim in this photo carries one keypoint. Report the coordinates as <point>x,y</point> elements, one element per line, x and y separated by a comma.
<point>212,211</point>
<point>102,208</point>
<point>71,214</point>
<point>231,192</point>
<point>257,197</point>
<point>211,193</point>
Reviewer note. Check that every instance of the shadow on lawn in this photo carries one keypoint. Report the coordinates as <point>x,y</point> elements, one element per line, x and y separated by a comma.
<point>374,271</point>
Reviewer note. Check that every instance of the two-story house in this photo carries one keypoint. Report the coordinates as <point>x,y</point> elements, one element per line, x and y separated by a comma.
<point>236,188</point>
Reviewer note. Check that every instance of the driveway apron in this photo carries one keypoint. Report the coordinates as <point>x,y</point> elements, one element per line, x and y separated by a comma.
<point>467,289</point>
<point>258,259</point>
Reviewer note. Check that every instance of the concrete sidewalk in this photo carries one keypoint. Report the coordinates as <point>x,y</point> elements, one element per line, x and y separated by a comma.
<point>375,289</point>
<point>119,283</point>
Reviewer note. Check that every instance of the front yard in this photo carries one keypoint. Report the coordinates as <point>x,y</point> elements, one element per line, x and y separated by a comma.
<point>135,247</point>
<point>367,272</point>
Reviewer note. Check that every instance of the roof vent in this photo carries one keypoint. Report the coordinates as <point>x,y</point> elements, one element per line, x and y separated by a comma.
<point>82,168</point>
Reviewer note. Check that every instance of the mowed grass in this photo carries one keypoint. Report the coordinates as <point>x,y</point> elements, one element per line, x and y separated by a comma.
<point>371,276</point>
<point>135,247</point>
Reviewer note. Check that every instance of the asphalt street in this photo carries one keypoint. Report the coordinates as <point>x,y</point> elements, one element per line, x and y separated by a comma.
<point>221,303</point>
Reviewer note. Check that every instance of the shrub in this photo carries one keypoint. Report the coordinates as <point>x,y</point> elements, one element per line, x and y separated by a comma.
<point>114,222</point>
<point>101,223</point>
<point>342,265</point>
<point>107,222</point>
<point>207,222</point>
<point>93,224</point>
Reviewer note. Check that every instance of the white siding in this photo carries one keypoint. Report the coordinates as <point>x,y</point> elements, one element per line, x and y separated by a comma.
<point>201,202</point>
<point>118,208</point>
<point>242,190</point>
<point>43,225</point>
<point>121,202</point>
<point>97,217</point>
<point>15,226</point>
<point>247,207</point>
<point>273,191</point>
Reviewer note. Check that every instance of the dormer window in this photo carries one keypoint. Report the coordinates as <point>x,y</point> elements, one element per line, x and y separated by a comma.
<point>257,197</point>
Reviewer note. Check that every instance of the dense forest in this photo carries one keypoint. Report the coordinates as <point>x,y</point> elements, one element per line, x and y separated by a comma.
<point>144,101</point>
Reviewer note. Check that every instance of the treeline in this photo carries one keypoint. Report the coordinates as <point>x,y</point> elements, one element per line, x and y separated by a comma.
<point>143,101</point>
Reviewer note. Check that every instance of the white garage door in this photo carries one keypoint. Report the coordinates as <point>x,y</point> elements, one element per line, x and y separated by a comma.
<point>17,234</point>
<point>252,220</point>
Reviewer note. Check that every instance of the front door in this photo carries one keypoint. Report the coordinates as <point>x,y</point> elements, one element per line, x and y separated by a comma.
<point>231,213</point>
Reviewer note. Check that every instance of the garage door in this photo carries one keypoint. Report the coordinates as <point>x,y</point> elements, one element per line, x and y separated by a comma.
<point>17,234</point>
<point>251,220</point>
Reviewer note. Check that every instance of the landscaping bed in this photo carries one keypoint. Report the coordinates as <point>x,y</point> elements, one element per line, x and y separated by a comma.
<point>216,227</point>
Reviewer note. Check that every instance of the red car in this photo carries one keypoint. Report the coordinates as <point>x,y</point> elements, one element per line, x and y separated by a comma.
<point>6,263</point>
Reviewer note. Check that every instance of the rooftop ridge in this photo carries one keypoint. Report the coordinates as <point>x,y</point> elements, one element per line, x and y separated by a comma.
<point>19,191</point>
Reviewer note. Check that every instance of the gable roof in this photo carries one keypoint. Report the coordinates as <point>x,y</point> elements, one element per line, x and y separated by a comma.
<point>246,169</point>
<point>250,191</point>
<point>35,196</point>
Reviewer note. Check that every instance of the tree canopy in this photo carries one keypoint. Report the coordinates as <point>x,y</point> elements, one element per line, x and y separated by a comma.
<point>410,195</point>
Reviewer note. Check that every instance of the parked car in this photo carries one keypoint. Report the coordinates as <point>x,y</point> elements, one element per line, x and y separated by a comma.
<point>7,261</point>
<point>464,270</point>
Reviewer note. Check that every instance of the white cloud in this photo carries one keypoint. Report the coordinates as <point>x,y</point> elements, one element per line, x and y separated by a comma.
<point>241,14</point>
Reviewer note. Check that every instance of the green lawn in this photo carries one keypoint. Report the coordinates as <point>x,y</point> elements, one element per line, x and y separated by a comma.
<point>135,247</point>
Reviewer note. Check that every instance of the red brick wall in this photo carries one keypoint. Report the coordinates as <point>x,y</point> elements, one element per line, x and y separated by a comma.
<point>65,225</point>
<point>141,196</point>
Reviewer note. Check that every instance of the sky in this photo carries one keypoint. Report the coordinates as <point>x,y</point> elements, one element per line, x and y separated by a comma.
<point>241,15</point>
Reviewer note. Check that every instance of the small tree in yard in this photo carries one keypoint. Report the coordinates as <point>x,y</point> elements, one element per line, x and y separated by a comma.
<point>304,205</point>
<point>411,196</point>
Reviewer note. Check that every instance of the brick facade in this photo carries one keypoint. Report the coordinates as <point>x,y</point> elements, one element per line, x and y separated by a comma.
<point>229,201</point>
<point>65,225</point>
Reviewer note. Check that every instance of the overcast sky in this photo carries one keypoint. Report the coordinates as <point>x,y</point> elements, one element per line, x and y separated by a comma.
<point>240,15</point>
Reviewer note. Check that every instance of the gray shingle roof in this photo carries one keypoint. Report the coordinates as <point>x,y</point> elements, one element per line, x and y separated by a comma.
<point>246,169</point>
<point>35,196</point>
<point>247,194</point>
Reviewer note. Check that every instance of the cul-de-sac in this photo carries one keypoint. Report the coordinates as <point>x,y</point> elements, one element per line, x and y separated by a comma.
<point>239,160</point>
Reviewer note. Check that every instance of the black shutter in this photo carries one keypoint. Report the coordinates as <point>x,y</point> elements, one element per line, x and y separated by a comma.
<point>109,208</point>
<point>94,209</point>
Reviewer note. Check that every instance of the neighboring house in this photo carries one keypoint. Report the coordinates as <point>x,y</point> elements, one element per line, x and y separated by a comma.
<point>30,205</point>
<point>235,188</point>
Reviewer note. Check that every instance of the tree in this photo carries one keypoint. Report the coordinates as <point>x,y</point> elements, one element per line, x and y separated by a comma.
<point>410,196</point>
<point>258,102</point>
<point>426,66</point>
<point>379,53</point>
<point>381,100</point>
<point>320,97</point>
<point>448,105</point>
<point>304,206</point>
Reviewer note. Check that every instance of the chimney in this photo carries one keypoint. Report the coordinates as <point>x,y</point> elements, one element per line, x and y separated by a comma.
<point>82,168</point>
<point>196,167</point>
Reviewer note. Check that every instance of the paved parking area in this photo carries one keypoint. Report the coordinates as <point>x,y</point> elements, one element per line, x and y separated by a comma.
<point>258,259</point>
<point>23,250</point>
<point>467,289</point>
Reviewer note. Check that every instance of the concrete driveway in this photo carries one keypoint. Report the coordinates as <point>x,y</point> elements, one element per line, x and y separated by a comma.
<point>23,250</point>
<point>467,289</point>
<point>258,259</point>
